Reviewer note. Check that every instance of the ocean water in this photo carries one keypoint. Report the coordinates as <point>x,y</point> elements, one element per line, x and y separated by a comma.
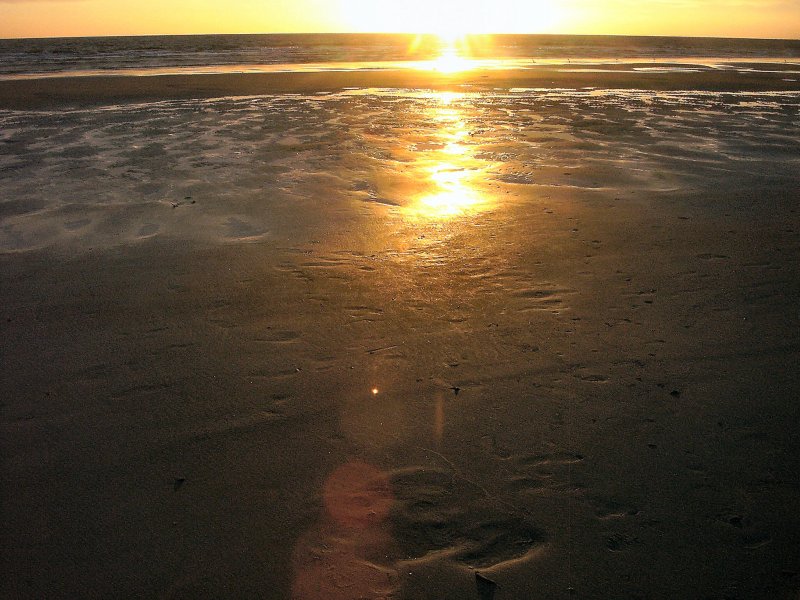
<point>112,54</point>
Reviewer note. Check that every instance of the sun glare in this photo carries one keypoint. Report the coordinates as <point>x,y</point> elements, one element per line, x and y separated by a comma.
<point>455,195</point>
<point>449,36</point>
<point>451,19</point>
<point>451,62</point>
<point>453,54</point>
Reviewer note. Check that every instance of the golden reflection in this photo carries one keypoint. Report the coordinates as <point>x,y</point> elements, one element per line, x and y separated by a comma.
<point>450,169</point>
<point>455,195</point>
<point>446,98</point>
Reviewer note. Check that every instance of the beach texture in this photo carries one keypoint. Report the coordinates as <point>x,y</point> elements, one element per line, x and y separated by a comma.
<point>504,334</point>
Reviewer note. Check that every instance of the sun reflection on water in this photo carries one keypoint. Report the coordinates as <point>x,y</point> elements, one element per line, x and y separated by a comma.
<point>455,193</point>
<point>452,169</point>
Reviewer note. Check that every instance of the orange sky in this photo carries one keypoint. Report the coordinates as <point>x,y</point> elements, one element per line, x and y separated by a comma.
<point>734,18</point>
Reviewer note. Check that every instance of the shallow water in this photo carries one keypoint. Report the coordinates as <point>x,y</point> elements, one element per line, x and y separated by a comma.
<point>247,168</point>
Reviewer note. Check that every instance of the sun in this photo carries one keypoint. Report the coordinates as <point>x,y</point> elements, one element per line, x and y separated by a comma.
<point>454,55</point>
<point>447,18</point>
<point>450,61</point>
<point>451,18</point>
<point>449,36</point>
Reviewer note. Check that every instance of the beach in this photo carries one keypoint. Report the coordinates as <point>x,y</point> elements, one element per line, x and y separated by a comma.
<point>495,333</point>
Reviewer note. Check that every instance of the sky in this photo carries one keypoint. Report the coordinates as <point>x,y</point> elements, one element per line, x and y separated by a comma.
<point>724,18</point>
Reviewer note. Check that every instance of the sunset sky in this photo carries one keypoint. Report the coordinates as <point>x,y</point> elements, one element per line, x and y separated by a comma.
<point>734,18</point>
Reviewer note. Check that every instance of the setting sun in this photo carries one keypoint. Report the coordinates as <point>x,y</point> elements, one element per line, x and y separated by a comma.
<point>451,19</point>
<point>450,61</point>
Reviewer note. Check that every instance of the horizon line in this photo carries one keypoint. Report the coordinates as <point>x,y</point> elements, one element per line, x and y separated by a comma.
<point>404,33</point>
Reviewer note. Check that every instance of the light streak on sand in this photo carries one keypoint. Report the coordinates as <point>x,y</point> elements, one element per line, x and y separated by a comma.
<point>453,170</point>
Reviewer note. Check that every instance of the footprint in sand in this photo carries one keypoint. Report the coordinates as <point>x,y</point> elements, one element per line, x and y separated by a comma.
<point>148,230</point>
<point>607,509</point>
<point>240,229</point>
<point>545,472</point>
<point>77,224</point>
<point>751,535</point>
<point>438,513</point>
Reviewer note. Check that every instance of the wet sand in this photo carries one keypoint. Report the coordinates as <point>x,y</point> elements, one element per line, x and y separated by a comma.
<point>45,92</point>
<point>400,343</point>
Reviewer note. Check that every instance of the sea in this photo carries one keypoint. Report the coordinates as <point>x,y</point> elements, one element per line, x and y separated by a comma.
<point>159,54</point>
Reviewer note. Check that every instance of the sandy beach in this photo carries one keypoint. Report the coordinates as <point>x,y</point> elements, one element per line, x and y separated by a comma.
<point>25,93</point>
<point>498,334</point>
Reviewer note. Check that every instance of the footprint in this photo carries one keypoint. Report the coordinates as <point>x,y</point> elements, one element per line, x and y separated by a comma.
<point>607,509</point>
<point>542,472</point>
<point>541,298</point>
<point>526,484</point>
<point>593,378</point>
<point>751,535</point>
<point>148,229</point>
<point>497,540</point>
<point>75,225</point>
<point>240,229</point>
<point>437,512</point>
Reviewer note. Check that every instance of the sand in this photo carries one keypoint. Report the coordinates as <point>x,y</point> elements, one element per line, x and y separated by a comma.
<point>23,93</point>
<point>404,344</point>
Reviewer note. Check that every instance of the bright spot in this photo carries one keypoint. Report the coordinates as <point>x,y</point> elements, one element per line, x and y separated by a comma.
<point>455,193</point>
<point>374,391</point>
<point>454,148</point>
<point>452,170</point>
<point>451,62</point>
<point>451,19</point>
<point>446,98</point>
<point>449,35</point>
